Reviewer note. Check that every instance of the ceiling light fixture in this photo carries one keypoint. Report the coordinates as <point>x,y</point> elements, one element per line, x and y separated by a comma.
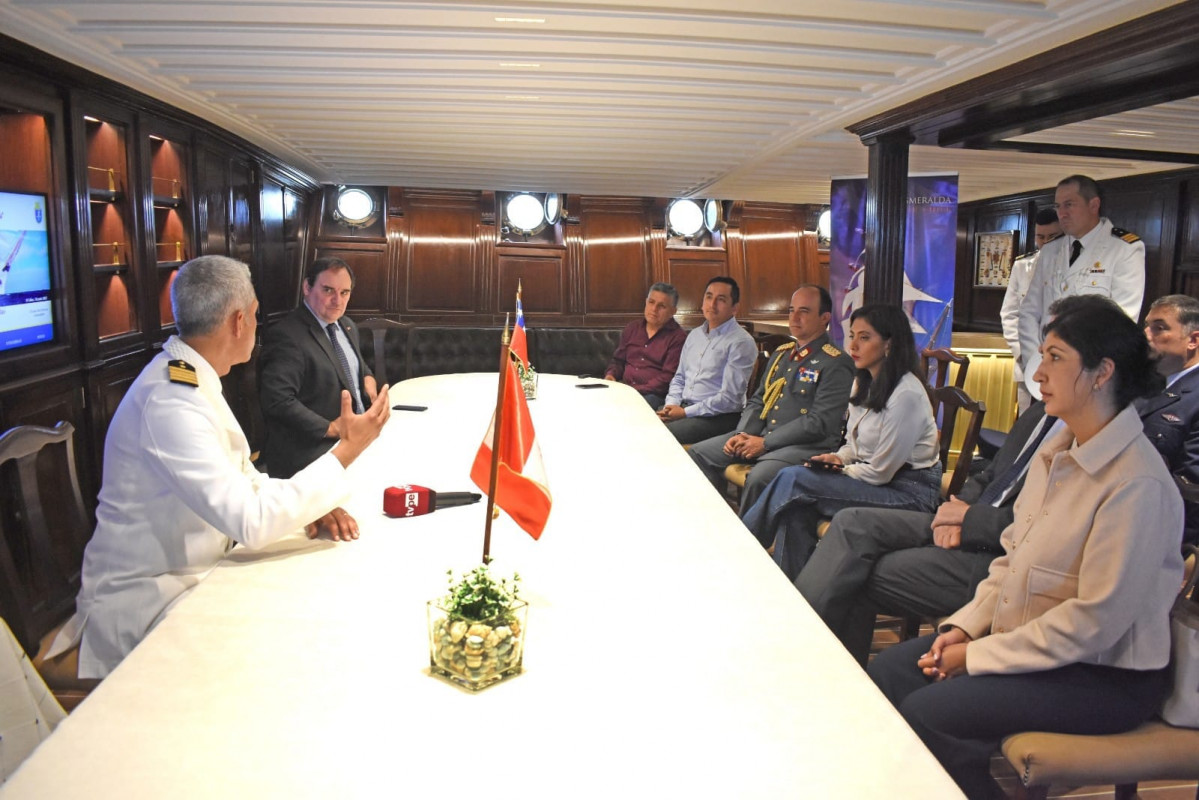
<point>520,64</point>
<point>1140,134</point>
<point>522,97</point>
<point>522,20</point>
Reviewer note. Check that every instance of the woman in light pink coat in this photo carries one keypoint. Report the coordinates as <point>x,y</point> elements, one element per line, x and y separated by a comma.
<point>1070,631</point>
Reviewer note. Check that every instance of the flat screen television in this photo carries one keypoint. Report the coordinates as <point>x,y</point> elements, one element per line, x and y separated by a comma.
<point>26,312</point>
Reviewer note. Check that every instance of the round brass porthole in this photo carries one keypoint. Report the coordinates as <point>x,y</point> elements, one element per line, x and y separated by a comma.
<point>355,207</point>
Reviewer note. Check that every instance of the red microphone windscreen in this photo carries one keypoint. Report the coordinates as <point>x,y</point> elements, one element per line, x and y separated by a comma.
<point>407,501</point>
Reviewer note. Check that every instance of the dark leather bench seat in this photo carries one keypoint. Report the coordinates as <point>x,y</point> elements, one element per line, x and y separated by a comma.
<point>412,350</point>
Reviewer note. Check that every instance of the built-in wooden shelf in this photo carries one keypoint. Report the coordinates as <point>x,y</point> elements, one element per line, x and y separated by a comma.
<point>105,195</point>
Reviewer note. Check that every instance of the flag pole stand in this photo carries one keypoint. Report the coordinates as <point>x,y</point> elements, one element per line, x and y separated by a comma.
<point>492,511</point>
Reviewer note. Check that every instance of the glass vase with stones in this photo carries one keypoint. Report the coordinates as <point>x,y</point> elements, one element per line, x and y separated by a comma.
<point>528,381</point>
<point>475,654</point>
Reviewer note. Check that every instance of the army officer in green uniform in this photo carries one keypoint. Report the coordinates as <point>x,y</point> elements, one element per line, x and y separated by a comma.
<point>798,407</point>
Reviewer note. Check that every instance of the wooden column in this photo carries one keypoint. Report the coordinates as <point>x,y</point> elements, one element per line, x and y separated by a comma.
<point>886,217</point>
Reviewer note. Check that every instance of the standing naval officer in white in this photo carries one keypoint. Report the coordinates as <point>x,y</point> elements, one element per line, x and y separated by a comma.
<point>1046,228</point>
<point>1092,258</point>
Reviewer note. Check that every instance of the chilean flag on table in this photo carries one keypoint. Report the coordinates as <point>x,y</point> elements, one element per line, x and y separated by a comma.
<point>518,344</point>
<point>521,489</point>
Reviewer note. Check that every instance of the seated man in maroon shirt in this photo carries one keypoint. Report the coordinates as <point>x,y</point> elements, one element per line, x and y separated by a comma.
<point>648,353</point>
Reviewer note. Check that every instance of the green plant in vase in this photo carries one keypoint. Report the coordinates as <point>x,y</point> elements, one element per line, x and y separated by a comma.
<point>476,631</point>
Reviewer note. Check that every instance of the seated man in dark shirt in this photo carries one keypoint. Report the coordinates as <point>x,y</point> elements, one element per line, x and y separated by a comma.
<point>648,353</point>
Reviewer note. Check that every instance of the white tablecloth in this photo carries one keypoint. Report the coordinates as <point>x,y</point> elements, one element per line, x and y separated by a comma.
<point>666,655</point>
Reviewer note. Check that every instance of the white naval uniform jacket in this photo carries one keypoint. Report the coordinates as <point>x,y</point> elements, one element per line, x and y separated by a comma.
<point>1108,265</point>
<point>1023,271</point>
<point>179,490</point>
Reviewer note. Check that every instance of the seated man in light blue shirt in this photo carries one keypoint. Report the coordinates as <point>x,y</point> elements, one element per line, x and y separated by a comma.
<point>707,392</point>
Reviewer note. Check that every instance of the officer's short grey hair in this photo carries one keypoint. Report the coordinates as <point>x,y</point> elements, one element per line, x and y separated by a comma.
<point>206,291</point>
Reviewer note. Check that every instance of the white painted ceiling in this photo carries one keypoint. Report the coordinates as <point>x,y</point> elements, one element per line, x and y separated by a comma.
<point>742,99</point>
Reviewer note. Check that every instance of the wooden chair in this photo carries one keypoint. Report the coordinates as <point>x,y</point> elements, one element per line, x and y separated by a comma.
<point>767,344</point>
<point>44,527</point>
<point>736,475</point>
<point>948,403</point>
<point>1154,751</point>
<point>935,364</point>
<point>384,344</point>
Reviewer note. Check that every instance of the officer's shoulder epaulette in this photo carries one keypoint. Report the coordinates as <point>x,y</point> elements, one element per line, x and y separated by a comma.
<point>1127,236</point>
<point>179,371</point>
<point>783,347</point>
<point>831,349</point>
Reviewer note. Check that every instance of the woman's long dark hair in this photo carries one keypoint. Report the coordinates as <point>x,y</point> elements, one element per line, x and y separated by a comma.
<point>1098,328</point>
<point>892,325</point>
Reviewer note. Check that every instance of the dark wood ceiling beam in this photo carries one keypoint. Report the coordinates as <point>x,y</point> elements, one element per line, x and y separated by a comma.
<point>1165,156</point>
<point>1146,61</point>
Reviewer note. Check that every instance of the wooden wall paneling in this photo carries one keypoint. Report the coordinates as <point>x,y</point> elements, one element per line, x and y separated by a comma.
<point>110,239</point>
<point>76,378</point>
<point>736,264</point>
<point>542,272</point>
<point>296,202</point>
<point>212,201</point>
<point>57,398</point>
<point>440,264</point>
<point>963,293</point>
<point>812,269</point>
<point>368,260</point>
<point>33,136</point>
<point>396,229</point>
<point>106,387</point>
<point>1150,209</point>
<point>164,152</point>
<point>616,260</point>
<point>240,388</point>
<point>572,235</point>
<point>243,191</point>
<point>487,237</point>
<point>331,226</point>
<point>26,138</point>
<point>981,304</point>
<point>397,283</point>
<point>1187,248</point>
<point>659,236</point>
<point>277,287</point>
<point>690,270</point>
<point>770,240</point>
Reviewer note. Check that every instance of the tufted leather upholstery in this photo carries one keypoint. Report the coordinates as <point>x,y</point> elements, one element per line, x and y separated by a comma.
<point>573,351</point>
<point>411,350</point>
<point>436,350</point>
<point>391,338</point>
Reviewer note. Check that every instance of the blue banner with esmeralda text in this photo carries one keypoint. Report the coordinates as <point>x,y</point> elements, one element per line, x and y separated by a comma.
<point>930,253</point>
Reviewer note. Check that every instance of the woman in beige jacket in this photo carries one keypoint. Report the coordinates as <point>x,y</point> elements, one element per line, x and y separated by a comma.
<point>1070,630</point>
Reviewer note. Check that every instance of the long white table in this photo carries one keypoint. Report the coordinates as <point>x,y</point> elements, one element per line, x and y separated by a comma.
<point>666,655</point>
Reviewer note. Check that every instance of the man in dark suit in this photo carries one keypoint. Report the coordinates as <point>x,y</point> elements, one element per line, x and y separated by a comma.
<point>1171,419</point>
<point>308,357</point>
<point>912,562</point>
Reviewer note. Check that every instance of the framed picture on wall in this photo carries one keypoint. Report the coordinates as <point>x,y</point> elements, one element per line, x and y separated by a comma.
<point>993,257</point>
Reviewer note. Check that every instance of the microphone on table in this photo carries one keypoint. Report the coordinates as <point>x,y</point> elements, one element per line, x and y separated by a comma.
<point>413,501</point>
